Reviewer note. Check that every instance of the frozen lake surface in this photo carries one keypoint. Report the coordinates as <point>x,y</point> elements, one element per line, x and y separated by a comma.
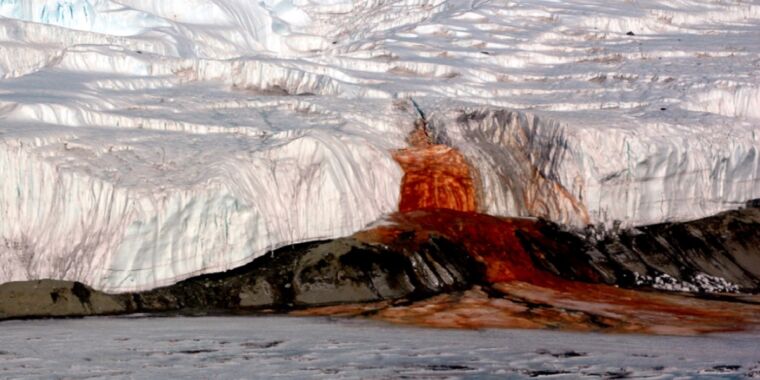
<point>295,348</point>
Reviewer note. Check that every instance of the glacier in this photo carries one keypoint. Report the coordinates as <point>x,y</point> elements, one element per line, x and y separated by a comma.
<point>143,142</point>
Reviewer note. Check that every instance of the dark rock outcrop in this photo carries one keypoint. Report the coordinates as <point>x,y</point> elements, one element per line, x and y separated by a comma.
<point>325,273</point>
<point>52,298</point>
<point>697,255</point>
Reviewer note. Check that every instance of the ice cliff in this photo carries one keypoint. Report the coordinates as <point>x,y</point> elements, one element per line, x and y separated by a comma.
<point>145,141</point>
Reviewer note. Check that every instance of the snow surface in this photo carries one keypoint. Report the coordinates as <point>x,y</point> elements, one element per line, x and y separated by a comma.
<point>296,348</point>
<point>701,282</point>
<point>145,141</point>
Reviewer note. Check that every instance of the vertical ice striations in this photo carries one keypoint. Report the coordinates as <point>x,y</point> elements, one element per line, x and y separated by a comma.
<point>137,202</point>
<point>519,158</point>
<point>532,165</point>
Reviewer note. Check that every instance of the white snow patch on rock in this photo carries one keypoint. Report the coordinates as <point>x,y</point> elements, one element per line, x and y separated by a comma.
<point>700,282</point>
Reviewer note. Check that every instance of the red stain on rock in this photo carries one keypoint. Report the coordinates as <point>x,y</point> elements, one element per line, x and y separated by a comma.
<point>491,240</point>
<point>499,243</point>
<point>438,198</point>
<point>438,194</point>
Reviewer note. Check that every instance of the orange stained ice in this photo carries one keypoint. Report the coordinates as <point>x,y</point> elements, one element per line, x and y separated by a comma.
<point>435,176</point>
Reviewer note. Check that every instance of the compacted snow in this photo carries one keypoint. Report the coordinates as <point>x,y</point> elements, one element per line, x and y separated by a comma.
<point>145,141</point>
<point>296,348</point>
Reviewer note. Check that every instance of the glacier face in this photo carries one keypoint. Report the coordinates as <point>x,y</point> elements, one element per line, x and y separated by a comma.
<point>134,206</point>
<point>145,141</point>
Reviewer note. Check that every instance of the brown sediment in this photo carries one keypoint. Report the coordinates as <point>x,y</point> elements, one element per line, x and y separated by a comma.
<point>587,307</point>
<point>527,306</point>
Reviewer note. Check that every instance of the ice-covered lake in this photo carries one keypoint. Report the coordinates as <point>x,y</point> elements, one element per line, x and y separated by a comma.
<point>290,347</point>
